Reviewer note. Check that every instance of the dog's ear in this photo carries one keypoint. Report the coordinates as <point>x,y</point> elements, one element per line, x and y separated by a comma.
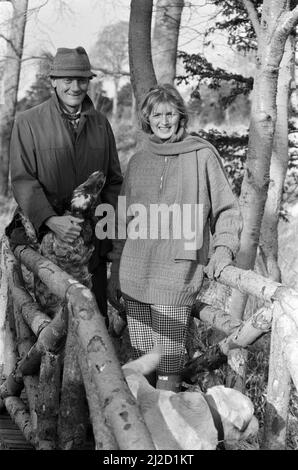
<point>236,411</point>
<point>252,429</point>
<point>134,372</point>
<point>147,363</point>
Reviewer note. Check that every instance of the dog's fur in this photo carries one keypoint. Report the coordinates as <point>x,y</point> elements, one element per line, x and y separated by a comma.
<point>183,420</point>
<point>73,257</point>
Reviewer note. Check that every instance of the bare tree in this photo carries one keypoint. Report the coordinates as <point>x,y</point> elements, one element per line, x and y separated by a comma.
<point>165,39</point>
<point>278,168</point>
<point>139,40</point>
<point>110,56</point>
<point>12,68</point>
<point>293,101</point>
<point>277,21</point>
<point>11,65</point>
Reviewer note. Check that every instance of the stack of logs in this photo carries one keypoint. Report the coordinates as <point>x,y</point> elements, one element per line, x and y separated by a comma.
<point>58,416</point>
<point>63,361</point>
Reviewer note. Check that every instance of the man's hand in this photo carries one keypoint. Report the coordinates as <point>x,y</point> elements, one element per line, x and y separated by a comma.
<point>66,227</point>
<point>221,258</point>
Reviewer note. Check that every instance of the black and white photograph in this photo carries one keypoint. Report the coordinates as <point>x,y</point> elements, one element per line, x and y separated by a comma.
<point>148,229</point>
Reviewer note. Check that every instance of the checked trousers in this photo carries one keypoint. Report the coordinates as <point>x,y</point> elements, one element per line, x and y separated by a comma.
<point>167,325</point>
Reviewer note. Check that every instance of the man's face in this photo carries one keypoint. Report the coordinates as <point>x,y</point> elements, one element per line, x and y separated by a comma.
<point>71,91</point>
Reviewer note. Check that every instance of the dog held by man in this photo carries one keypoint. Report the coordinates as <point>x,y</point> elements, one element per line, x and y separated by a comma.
<point>189,420</point>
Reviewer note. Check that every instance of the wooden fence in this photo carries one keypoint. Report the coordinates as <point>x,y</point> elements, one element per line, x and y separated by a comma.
<point>58,414</point>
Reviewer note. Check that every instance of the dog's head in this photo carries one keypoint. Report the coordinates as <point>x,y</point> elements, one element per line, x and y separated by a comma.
<point>85,196</point>
<point>236,412</point>
<point>184,420</point>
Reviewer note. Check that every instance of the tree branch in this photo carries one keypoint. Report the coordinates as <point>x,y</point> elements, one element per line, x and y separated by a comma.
<point>10,42</point>
<point>290,20</point>
<point>111,72</point>
<point>252,14</point>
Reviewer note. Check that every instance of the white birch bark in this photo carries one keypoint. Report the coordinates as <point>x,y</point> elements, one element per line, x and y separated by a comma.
<point>165,39</point>
<point>12,69</point>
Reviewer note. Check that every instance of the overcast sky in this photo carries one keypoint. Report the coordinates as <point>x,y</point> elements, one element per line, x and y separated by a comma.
<point>70,23</point>
<point>77,23</point>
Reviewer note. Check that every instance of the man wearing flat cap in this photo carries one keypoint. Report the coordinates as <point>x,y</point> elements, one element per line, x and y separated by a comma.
<point>55,147</point>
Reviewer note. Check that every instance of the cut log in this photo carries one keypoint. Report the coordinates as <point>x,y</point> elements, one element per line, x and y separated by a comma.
<point>253,284</point>
<point>215,317</point>
<point>53,331</point>
<point>3,307</point>
<point>20,416</point>
<point>247,334</point>
<point>242,336</point>
<point>249,282</point>
<point>57,280</point>
<point>51,339</point>
<point>31,387</point>
<point>120,409</point>
<point>103,435</point>
<point>47,404</point>
<point>33,316</point>
<point>73,413</point>
<point>12,386</point>
<point>8,356</point>
<point>249,331</point>
<point>10,344</point>
<point>25,339</point>
<point>25,342</point>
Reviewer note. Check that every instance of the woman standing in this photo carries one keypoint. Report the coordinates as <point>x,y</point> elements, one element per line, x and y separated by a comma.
<point>161,273</point>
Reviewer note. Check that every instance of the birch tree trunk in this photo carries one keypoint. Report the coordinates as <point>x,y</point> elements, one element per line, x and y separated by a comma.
<point>277,21</point>
<point>165,39</point>
<point>115,99</point>
<point>278,393</point>
<point>278,169</point>
<point>139,46</point>
<point>293,121</point>
<point>11,78</point>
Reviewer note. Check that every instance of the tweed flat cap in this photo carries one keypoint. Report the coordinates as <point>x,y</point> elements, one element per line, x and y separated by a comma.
<point>71,63</point>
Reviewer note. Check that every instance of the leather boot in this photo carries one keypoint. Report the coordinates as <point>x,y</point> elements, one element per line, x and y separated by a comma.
<point>169,382</point>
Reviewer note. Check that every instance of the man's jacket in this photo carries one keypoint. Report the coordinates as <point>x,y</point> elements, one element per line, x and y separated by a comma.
<point>47,163</point>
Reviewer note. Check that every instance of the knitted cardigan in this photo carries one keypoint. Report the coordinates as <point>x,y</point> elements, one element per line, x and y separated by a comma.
<point>152,269</point>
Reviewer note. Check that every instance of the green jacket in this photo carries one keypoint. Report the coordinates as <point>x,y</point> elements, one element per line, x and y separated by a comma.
<point>47,164</point>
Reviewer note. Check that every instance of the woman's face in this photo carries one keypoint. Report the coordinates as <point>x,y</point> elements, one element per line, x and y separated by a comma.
<point>164,120</point>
